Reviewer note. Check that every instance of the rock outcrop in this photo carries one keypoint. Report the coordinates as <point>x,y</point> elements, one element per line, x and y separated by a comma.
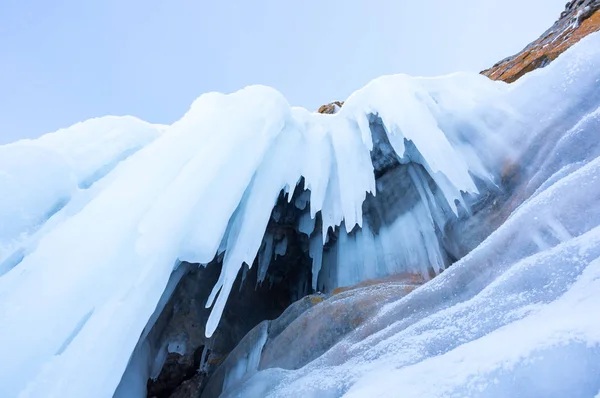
<point>331,108</point>
<point>300,334</point>
<point>579,19</point>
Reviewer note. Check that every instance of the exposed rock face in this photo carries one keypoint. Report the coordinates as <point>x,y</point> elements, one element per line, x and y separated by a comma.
<point>579,19</point>
<point>331,108</point>
<point>181,357</point>
<point>190,388</point>
<point>177,370</point>
<point>300,334</point>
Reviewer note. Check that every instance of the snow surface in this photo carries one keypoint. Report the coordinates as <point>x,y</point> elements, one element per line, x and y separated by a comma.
<point>39,177</point>
<point>95,218</point>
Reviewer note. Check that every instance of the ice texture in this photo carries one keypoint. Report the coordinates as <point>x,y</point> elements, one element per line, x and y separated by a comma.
<point>95,219</point>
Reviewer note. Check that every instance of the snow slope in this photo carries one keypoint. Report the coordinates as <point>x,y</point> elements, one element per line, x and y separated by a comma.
<point>95,218</point>
<point>39,177</point>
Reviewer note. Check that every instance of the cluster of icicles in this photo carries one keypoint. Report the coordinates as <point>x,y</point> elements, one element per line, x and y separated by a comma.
<point>118,196</point>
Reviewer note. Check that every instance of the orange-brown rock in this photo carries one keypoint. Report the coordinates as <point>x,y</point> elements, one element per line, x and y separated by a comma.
<point>331,108</point>
<point>579,19</point>
<point>321,327</point>
<point>412,281</point>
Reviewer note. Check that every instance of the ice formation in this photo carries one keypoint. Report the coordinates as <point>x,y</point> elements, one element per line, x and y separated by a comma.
<point>510,319</point>
<point>514,317</point>
<point>96,218</point>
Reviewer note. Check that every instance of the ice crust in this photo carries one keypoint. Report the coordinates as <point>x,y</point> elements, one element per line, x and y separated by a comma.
<point>95,218</point>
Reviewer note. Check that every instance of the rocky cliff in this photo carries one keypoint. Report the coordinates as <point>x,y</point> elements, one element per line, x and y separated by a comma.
<point>579,19</point>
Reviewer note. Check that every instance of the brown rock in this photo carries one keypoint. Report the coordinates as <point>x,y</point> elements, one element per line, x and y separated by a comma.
<point>331,108</point>
<point>308,336</point>
<point>191,388</point>
<point>579,19</point>
<point>412,281</point>
<point>176,370</point>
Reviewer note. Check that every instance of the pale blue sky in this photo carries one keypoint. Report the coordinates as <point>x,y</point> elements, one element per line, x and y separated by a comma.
<point>63,61</point>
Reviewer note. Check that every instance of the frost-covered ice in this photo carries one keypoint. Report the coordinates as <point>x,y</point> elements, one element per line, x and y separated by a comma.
<point>39,177</point>
<point>95,218</point>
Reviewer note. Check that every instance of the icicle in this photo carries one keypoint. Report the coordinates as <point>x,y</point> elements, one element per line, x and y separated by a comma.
<point>264,257</point>
<point>354,171</point>
<point>281,247</point>
<point>302,200</point>
<point>203,359</point>
<point>306,225</point>
<point>316,253</point>
<point>366,246</point>
<point>276,215</point>
<point>244,274</point>
<point>348,258</point>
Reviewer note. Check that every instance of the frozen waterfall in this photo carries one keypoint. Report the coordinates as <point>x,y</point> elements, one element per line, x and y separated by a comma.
<point>95,218</point>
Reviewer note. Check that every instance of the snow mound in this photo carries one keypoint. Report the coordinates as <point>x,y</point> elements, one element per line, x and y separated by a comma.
<point>39,177</point>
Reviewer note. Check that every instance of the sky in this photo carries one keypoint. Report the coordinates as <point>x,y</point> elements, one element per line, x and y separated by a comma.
<point>65,61</point>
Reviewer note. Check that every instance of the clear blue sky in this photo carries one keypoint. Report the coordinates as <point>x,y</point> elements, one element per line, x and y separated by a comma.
<point>63,61</point>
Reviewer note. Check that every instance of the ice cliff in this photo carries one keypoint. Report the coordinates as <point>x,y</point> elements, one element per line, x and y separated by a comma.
<point>99,222</point>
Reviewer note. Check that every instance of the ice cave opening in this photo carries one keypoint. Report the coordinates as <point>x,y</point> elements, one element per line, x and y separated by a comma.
<point>297,259</point>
